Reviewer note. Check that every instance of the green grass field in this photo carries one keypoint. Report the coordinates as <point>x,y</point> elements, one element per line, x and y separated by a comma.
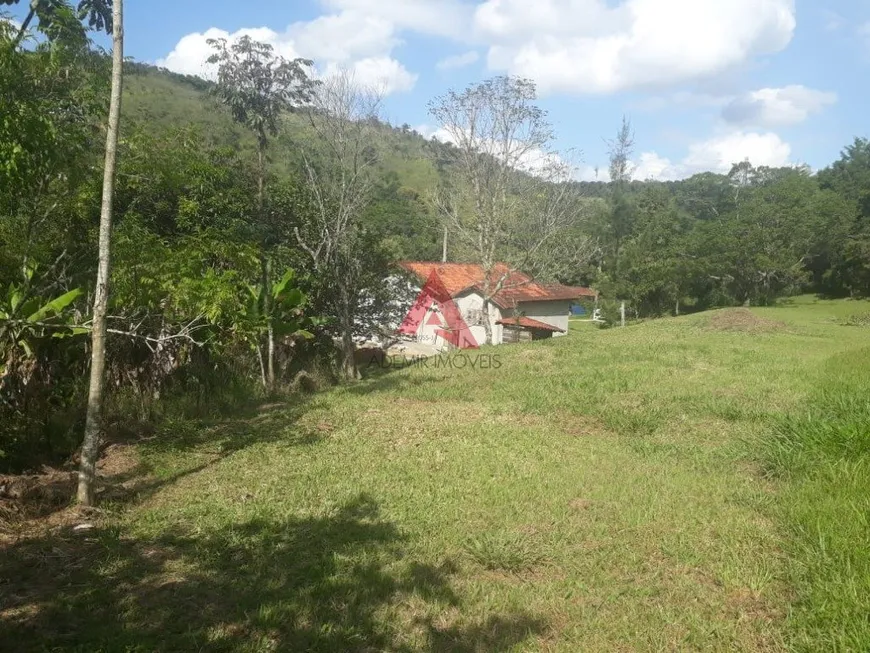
<point>697,483</point>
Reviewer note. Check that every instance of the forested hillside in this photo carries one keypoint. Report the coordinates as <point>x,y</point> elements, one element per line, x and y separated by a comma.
<point>753,235</point>
<point>228,279</point>
<point>160,104</point>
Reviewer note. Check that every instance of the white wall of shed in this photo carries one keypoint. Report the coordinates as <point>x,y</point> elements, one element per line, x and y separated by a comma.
<point>554,313</point>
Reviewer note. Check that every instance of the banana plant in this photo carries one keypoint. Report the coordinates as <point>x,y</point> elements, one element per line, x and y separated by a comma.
<point>24,320</point>
<point>287,304</point>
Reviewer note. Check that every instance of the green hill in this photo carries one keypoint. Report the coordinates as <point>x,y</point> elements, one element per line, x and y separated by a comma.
<point>164,101</point>
<point>160,102</point>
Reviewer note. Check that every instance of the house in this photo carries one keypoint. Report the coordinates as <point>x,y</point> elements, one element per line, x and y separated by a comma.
<point>449,309</point>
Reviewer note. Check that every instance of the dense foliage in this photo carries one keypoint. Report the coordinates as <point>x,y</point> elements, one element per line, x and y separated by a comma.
<point>208,257</point>
<point>749,237</point>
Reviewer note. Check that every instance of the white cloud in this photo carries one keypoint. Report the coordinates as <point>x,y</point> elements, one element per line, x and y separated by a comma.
<point>534,160</point>
<point>190,53</point>
<point>591,46</point>
<point>574,46</point>
<point>361,43</point>
<point>439,133</point>
<point>717,154</point>
<point>342,37</point>
<point>448,18</point>
<point>652,166</point>
<point>384,74</point>
<point>458,60</point>
<point>720,153</point>
<point>773,107</point>
<point>587,172</point>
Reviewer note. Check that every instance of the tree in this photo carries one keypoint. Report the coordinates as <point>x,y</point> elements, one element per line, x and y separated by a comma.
<point>849,179</point>
<point>622,210</point>
<point>54,100</point>
<point>258,87</point>
<point>58,20</point>
<point>341,184</point>
<point>771,229</point>
<point>658,266</point>
<point>509,198</point>
<point>93,420</point>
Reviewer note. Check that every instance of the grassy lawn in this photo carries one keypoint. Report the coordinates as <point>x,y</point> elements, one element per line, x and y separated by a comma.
<point>638,489</point>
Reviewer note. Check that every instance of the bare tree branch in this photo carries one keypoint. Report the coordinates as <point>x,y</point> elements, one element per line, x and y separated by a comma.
<point>511,198</point>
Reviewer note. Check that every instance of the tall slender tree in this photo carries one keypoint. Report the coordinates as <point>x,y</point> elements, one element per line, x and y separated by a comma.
<point>622,210</point>
<point>93,422</point>
<point>341,182</point>
<point>510,199</point>
<point>258,87</point>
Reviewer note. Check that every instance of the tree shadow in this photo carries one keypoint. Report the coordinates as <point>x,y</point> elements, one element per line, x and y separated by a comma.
<point>333,583</point>
<point>213,440</point>
<point>384,381</point>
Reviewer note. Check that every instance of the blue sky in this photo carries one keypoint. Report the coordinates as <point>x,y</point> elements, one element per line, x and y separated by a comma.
<point>705,82</point>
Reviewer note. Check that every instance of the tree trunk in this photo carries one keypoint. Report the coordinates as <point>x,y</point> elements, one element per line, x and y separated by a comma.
<point>271,370</point>
<point>677,308</point>
<point>348,364</point>
<point>267,271</point>
<point>23,29</point>
<point>262,367</point>
<point>270,327</point>
<point>444,247</point>
<point>487,324</point>
<point>348,349</point>
<point>93,421</point>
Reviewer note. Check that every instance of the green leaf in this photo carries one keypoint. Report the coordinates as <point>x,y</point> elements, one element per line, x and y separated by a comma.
<point>26,347</point>
<point>15,297</point>
<point>70,333</point>
<point>29,306</point>
<point>55,306</point>
<point>293,299</point>
<point>279,287</point>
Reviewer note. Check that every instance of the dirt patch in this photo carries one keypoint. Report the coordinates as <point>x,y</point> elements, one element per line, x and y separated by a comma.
<point>744,320</point>
<point>581,426</point>
<point>580,505</point>
<point>35,495</point>
<point>45,500</point>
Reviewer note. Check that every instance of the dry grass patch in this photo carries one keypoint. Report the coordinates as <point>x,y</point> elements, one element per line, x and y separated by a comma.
<point>742,320</point>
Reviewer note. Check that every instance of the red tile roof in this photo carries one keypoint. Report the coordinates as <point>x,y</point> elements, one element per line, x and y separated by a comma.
<point>529,323</point>
<point>518,287</point>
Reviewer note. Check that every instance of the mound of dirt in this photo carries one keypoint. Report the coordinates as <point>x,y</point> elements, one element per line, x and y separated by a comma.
<point>742,319</point>
<point>45,498</point>
<point>34,496</point>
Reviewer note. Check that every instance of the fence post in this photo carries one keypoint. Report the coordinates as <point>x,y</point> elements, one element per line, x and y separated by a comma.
<point>622,313</point>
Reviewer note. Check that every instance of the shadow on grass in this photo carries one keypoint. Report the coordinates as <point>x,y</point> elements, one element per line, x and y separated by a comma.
<point>204,443</point>
<point>385,381</point>
<point>336,583</point>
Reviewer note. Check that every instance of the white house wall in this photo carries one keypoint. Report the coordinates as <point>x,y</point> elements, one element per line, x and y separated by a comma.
<point>470,307</point>
<point>554,313</point>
